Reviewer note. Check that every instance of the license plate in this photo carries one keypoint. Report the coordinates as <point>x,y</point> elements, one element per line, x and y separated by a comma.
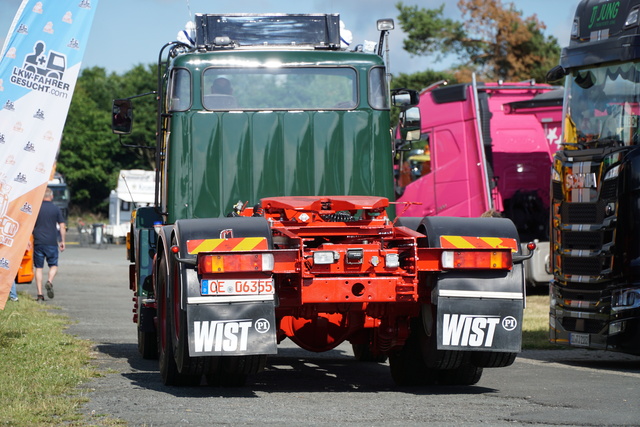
<point>237,287</point>
<point>579,339</point>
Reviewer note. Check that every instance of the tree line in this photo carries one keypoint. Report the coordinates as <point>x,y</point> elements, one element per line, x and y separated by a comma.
<point>493,40</point>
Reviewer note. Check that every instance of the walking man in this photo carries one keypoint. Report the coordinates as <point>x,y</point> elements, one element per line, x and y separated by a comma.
<point>48,235</point>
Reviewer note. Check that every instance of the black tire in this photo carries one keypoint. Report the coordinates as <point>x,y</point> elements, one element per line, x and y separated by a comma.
<point>465,374</point>
<point>363,353</point>
<point>148,344</point>
<point>168,368</point>
<point>232,371</point>
<point>484,359</point>
<point>434,358</point>
<point>407,365</point>
<point>169,372</point>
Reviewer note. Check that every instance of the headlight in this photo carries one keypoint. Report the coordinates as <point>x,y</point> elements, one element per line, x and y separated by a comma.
<point>555,175</point>
<point>624,299</point>
<point>612,173</point>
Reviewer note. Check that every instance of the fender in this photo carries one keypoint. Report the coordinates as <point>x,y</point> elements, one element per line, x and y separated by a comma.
<point>229,328</point>
<point>479,311</point>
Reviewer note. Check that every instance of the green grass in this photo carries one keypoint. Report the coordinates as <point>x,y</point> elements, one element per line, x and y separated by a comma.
<point>535,325</point>
<point>41,366</point>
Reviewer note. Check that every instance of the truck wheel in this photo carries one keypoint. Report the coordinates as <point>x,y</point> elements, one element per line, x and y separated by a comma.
<point>148,344</point>
<point>232,371</point>
<point>465,374</point>
<point>434,358</point>
<point>169,372</point>
<point>407,365</point>
<point>362,350</point>
<point>363,353</point>
<point>485,359</point>
<point>168,369</point>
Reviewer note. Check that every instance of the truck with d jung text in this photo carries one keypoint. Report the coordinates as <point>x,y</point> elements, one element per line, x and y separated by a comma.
<point>272,219</point>
<point>595,191</point>
<point>483,147</point>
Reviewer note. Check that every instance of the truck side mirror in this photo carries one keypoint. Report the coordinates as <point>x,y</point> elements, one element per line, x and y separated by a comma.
<point>410,124</point>
<point>556,73</point>
<point>405,98</point>
<point>122,116</point>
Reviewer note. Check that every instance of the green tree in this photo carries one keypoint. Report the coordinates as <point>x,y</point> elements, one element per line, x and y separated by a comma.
<point>90,155</point>
<point>87,148</point>
<point>494,40</point>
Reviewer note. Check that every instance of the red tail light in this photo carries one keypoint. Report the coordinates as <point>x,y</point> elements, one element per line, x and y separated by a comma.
<point>235,262</point>
<point>477,260</point>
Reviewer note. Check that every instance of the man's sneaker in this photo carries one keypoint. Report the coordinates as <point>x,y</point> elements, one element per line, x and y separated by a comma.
<point>40,298</point>
<point>49,287</point>
<point>14,299</point>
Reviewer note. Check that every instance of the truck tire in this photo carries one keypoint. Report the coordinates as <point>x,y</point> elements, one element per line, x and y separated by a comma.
<point>363,353</point>
<point>169,372</point>
<point>147,335</point>
<point>434,358</point>
<point>407,365</point>
<point>362,350</point>
<point>168,369</point>
<point>465,374</point>
<point>147,344</point>
<point>484,359</point>
<point>232,371</point>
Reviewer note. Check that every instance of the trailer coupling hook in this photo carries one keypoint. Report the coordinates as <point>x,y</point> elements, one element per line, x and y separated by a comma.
<point>531,246</point>
<point>189,261</point>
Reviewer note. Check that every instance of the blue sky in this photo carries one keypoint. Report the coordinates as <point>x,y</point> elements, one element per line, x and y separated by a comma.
<point>129,32</point>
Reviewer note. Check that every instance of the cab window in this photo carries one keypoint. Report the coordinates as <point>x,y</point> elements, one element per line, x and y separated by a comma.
<point>180,90</point>
<point>378,93</point>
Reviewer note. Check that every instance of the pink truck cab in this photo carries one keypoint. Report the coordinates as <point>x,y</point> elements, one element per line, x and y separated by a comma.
<point>483,147</point>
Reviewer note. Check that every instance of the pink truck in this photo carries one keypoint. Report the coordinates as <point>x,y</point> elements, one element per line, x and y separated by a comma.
<point>482,147</point>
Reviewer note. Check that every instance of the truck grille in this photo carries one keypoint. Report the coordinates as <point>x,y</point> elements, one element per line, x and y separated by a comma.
<point>583,213</point>
<point>609,189</point>
<point>581,266</point>
<point>590,326</point>
<point>556,188</point>
<point>581,239</point>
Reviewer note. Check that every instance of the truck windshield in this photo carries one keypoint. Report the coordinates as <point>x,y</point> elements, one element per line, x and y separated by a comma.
<point>317,88</point>
<point>604,105</point>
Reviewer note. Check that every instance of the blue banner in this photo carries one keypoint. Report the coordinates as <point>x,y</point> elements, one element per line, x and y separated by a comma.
<point>39,66</point>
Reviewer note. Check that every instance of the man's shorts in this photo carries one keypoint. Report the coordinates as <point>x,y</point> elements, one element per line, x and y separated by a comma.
<point>40,252</point>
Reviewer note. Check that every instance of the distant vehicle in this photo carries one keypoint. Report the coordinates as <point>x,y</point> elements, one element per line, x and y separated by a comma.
<point>61,195</point>
<point>136,188</point>
<point>483,147</point>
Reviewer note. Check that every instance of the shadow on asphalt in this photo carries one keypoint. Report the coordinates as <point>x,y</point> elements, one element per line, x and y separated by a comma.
<point>292,370</point>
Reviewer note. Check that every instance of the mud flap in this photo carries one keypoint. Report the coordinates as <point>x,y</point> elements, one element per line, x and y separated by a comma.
<point>472,324</point>
<point>232,329</point>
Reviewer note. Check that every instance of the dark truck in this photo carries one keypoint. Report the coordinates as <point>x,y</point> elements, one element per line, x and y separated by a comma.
<point>595,189</point>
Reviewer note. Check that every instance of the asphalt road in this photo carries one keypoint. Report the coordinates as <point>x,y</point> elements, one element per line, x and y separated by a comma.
<point>558,387</point>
